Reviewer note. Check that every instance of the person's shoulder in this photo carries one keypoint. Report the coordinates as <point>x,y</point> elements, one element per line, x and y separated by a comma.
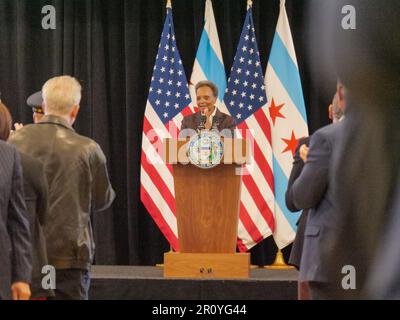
<point>327,135</point>
<point>27,134</point>
<point>25,130</point>
<point>86,142</point>
<point>224,115</point>
<point>225,118</point>
<point>326,131</point>
<point>90,147</point>
<point>330,132</point>
<point>190,116</point>
<point>323,136</point>
<point>9,153</point>
<point>6,147</point>
<point>3,144</point>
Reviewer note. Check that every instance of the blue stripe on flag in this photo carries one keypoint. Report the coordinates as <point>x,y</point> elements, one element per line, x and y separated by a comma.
<point>281,182</point>
<point>288,73</point>
<point>212,67</point>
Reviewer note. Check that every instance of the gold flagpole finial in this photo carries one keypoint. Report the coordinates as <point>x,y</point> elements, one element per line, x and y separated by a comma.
<point>249,4</point>
<point>169,4</point>
<point>279,263</point>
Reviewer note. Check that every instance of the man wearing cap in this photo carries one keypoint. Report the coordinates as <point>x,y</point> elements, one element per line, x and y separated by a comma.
<point>34,101</point>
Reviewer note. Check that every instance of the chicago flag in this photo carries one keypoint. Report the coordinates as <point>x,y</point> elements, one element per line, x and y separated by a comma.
<point>209,64</point>
<point>288,121</point>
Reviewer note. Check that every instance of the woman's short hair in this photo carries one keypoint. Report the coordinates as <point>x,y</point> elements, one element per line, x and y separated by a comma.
<point>5,122</point>
<point>206,83</point>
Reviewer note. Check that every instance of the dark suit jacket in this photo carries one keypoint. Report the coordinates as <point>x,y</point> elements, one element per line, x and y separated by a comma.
<point>383,278</point>
<point>297,247</point>
<point>36,192</point>
<point>225,121</point>
<point>15,246</point>
<point>368,196</point>
<point>312,190</point>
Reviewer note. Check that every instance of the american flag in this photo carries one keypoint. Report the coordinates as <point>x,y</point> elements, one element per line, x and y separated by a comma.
<point>167,103</point>
<point>246,100</point>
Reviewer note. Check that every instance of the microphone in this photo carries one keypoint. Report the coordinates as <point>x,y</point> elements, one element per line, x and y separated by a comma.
<point>215,123</point>
<point>203,120</point>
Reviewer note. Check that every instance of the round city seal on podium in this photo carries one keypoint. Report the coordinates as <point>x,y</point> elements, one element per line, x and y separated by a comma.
<point>205,149</point>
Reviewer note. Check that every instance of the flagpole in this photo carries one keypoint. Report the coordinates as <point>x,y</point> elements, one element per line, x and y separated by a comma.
<point>161,265</point>
<point>279,263</point>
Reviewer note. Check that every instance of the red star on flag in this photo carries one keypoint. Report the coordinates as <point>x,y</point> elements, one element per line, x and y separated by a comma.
<point>274,111</point>
<point>291,144</point>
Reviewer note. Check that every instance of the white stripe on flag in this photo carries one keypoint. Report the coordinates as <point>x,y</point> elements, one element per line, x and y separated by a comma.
<point>293,121</point>
<point>158,199</point>
<point>209,64</point>
<point>284,32</point>
<point>252,209</point>
<point>263,186</point>
<point>155,122</point>
<point>197,76</point>
<point>245,236</point>
<point>277,91</point>
<point>211,28</point>
<point>260,138</point>
<point>155,160</point>
<point>284,234</point>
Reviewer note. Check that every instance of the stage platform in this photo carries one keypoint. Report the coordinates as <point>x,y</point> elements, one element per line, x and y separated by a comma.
<point>148,283</point>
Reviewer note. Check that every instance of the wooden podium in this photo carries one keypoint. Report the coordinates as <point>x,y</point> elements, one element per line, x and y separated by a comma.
<point>207,208</point>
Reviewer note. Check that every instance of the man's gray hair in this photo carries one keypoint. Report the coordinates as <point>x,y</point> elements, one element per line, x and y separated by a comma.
<point>210,84</point>
<point>60,94</point>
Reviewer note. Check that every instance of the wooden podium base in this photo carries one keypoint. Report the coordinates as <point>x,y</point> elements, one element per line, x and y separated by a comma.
<point>206,265</point>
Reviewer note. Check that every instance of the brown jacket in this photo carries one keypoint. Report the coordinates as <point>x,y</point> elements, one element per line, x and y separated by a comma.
<point>77,177</point>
